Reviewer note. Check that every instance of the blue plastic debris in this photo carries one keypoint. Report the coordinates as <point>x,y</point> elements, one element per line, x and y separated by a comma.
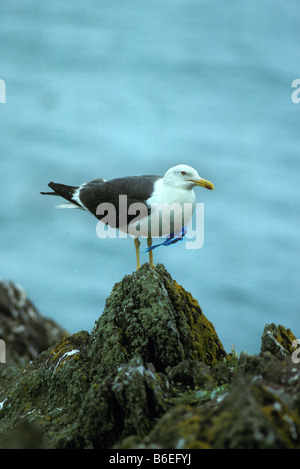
<point>172,239</point>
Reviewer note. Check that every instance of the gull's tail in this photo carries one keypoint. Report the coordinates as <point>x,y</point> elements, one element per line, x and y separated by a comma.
<point>70,193</point>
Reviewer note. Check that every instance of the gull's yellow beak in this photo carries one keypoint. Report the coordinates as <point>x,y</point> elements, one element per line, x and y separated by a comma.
<point>202,182</point>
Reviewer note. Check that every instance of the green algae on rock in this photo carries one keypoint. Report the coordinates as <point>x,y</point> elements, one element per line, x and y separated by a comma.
<point>277,340</point>
<point>92,390</point>
<point>252,412</point>
<point>149,315</point>
<point>127,404</point>
<point>152,374</point>
<point>47,392</point>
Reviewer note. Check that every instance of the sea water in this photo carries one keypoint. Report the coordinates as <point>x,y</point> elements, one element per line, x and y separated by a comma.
<point>110,89</point>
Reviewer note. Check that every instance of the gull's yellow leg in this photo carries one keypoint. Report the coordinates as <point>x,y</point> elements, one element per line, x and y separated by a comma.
<point>137,251</point>
<point>149,244</point>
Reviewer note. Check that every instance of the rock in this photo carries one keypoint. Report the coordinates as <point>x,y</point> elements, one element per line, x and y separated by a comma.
<point>25,436</point>
<point>93,390</point>
<point>191,374</point>
<point>25,332</point>
<point>47,393</point>
<point>152,374</point>
<point>149,315</point>
<point>128,404</point>
<point>252,412</point>
<point>277,340</point>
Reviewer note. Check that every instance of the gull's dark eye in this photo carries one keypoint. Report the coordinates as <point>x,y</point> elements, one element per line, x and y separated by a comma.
<point>183,173</point>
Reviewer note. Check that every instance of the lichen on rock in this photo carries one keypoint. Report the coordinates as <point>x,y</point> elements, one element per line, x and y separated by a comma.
<point>127,404</point>
<point>277,340</point>
<point>148,314</point>
<point>152,374</point>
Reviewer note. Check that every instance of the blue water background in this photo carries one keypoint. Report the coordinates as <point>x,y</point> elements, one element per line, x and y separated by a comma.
<point>102,88</point>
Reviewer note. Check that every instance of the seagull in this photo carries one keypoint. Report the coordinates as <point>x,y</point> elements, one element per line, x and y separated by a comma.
<point>142,206</point>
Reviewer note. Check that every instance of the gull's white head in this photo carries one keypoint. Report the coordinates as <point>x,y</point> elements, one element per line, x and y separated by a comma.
<point>185,177</point>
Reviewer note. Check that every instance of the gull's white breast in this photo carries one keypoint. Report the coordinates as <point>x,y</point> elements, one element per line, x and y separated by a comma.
<point>171,209</point>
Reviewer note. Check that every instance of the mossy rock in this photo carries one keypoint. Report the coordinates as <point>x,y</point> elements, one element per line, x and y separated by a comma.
<point>152,374</point>
<point>91,390</point>
<point>277,340</point>
<point>127,404</point>
<point>149,315</point>
<point>46,394</point>
<point>247,414</point>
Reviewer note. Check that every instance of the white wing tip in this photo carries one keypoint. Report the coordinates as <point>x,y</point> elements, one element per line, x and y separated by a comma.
<point>68,205</point>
